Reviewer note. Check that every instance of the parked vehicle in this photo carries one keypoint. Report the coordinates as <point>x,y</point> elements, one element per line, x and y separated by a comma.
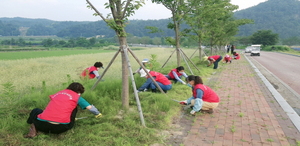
<point>255,50</point>
<point>248,49</point>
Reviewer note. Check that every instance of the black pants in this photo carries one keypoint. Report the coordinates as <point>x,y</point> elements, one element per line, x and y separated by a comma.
<point>48,127</point>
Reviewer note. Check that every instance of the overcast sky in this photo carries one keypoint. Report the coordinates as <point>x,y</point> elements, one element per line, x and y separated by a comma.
<point>75,10</point>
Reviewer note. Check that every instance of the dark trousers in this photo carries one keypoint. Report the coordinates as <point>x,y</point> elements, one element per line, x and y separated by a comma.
<point>47,127</point>
<point>217,62</point>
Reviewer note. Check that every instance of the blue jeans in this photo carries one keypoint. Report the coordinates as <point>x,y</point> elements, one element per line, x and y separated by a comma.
<point>149,84</point>
<point>217,62</point>
<point>198,103</point>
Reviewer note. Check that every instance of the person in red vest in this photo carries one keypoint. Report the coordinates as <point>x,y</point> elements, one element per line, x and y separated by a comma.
<point>227,58</point>
<point>59,115</point>
<point>164,83</point>
<point>92,71</point>
<point>214,60</point>
<point>236,56</point>
<point>176,73</point>
<point>203,98</point>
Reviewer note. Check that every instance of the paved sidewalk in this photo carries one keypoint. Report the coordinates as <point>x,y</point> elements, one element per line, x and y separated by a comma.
<point>248,114</point>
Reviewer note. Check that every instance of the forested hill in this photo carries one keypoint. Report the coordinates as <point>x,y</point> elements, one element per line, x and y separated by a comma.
<point>39,27</point>
<point>280,16</point>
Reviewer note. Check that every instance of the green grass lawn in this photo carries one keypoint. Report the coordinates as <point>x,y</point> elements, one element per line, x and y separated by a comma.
<point>40,77</point>
<point>40,54</point>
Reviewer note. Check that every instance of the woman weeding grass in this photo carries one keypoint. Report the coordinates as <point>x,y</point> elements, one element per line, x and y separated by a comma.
<point>176,73</point>
<point>203,98</point>
<point>59,115</point>
<point>160,79</point>
<point>92,71</point>
<point>214,60</point>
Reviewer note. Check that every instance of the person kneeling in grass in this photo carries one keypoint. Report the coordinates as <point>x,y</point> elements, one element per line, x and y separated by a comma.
<point>176,74</point>
<point>59,115</point>
<point>92,72</point>
<point>164,83</point>
<point>203,98</point>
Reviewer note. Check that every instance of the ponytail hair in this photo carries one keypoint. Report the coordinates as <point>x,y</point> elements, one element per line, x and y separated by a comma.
<point>196,79</point>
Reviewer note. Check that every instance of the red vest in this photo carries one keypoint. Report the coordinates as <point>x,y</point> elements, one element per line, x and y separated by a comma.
<point>89,70</point>
<point>208,94</point>
<point>227,58</point>
<point>60,107</point>
<point>215,57</point>
<point>237,56</point>
<point>160,78</point>
<point>171,73</point>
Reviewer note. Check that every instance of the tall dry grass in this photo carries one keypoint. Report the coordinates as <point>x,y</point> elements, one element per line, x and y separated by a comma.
<point>30,73</point>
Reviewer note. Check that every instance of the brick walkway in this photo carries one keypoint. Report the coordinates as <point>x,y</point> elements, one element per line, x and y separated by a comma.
<point>247,114</point>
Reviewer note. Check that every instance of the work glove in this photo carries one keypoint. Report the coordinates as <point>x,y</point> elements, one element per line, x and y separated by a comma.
<point>183,83</point>
<point>183,103</point>
<point>94,110</point>
<point>98,116</point>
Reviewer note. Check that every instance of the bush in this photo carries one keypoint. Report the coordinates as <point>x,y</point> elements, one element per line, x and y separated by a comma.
<point>277,48</point>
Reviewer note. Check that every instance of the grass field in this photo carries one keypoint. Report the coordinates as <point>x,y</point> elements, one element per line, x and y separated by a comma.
<point>41,54</point>
<point>27,83</point>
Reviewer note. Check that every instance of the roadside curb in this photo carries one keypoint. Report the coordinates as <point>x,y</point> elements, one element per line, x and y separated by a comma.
<point>288,54</point>
<point>294,117</point>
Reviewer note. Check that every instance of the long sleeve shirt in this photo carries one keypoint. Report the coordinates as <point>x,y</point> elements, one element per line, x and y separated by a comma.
<point>177,78</point>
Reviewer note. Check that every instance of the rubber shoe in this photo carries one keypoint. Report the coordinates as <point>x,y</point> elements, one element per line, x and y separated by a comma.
<point>193,112</point>
<point>32,132</point>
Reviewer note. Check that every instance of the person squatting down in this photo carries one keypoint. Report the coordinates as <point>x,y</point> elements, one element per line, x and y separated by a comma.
<point>176,74</point>
<point>236,56</point>
<point>203,98</point>
<point>214,60</point>
<point>160,79</point>
<point>227,58</point>
<point>146,64</point>
<point>92,71</point>
<point>59,115</point>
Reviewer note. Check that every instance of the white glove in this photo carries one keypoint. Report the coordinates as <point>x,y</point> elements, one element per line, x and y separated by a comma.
<point>183,83</point>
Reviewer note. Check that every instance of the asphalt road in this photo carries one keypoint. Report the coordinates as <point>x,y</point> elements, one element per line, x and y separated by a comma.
<point>285,67</point>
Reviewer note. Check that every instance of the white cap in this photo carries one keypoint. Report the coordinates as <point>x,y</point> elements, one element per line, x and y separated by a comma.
<point>143,73</point>
<point>145,60</point>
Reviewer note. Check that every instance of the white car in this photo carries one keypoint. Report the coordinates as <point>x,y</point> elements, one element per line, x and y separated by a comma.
<point>248,49</point>
<point>255,50</point>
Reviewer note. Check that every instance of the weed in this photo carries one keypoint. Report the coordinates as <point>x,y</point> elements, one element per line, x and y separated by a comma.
<point>232,129</point>
<point>270,140</point>
<point>241,114</point>
<point>243,140</point>
<point>216,126</point>
<point>240,102</point>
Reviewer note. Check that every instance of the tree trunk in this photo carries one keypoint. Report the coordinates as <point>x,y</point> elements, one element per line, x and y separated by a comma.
<point>125,81</point>
<point>177,40</point>
<point>200,51</point>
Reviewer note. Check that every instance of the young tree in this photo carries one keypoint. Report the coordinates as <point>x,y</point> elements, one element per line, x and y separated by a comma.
<point>117,19</point>
<point>264,37</point>
<point>212,20</point>
<point>178,9</point>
